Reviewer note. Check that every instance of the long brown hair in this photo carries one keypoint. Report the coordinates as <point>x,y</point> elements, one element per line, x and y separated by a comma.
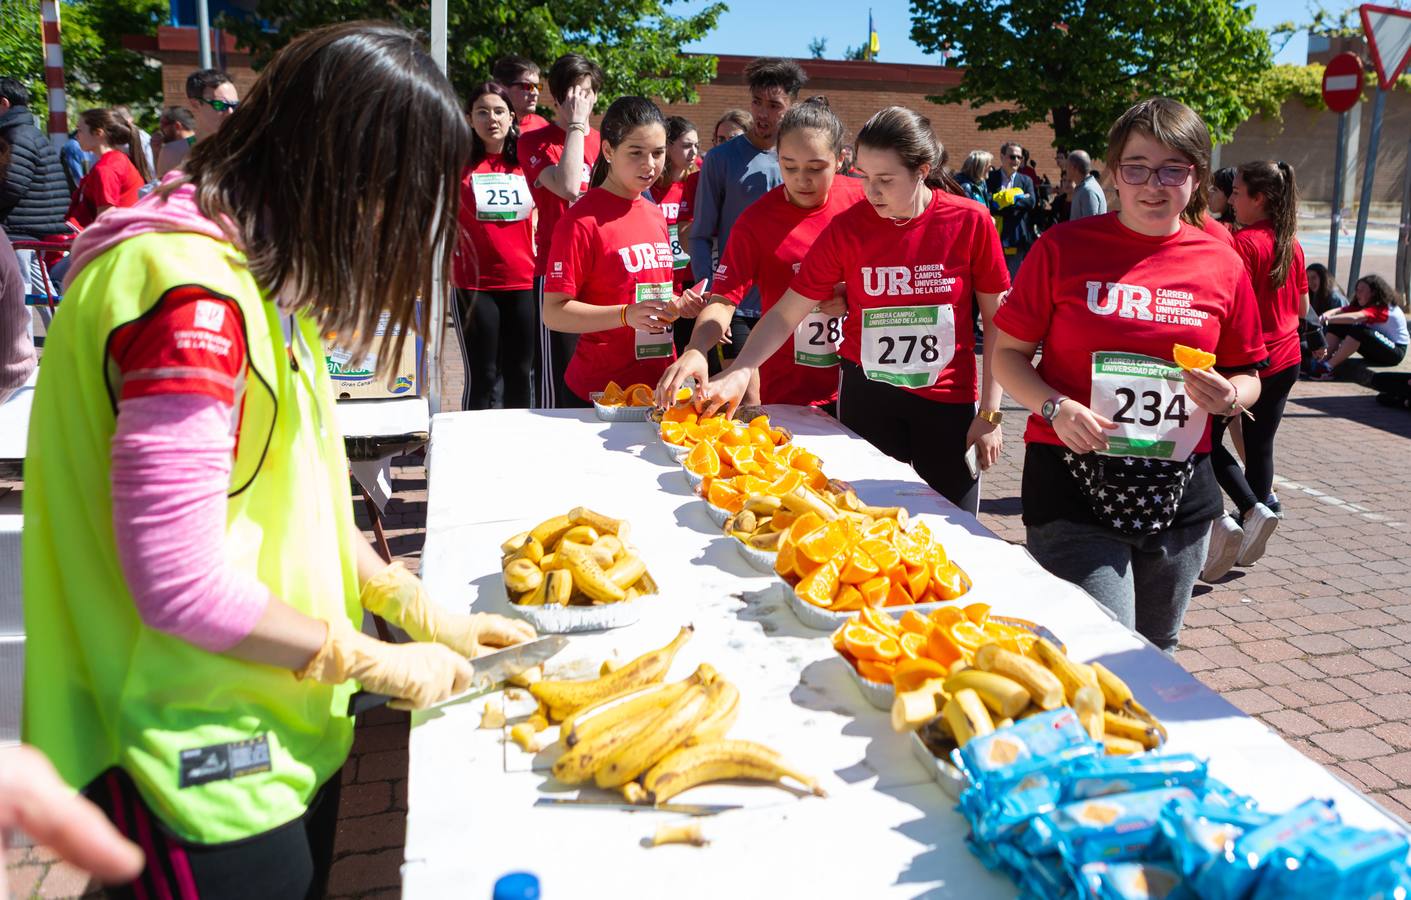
<point>340,175</point>
<point>1172,124</point>
<point>909,135</point>
<point>510,151</point>
<point>118,129</point>
<point>625,115</point>
<point>1274,182</point>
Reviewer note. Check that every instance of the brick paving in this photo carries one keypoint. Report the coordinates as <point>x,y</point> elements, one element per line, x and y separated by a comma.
<point>1315,640</point>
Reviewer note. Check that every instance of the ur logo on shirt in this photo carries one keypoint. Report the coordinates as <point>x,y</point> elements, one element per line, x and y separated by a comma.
<point>672,211</point>
<point>209,315</point>
<point>640,257</point>
<point>892,281</point>
<point>1128,301</point>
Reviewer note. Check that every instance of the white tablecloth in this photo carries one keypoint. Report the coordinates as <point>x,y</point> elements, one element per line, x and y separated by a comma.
<point>14,421</point>
<point>885,830</point>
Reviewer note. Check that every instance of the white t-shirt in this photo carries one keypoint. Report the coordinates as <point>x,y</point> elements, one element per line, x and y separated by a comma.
<point>1394,327</point>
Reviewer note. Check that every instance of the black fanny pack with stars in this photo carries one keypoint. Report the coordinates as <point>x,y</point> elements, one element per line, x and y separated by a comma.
<point>1133,495</point>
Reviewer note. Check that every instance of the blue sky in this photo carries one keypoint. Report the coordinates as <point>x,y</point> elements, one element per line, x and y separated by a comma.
<point>760,27</point>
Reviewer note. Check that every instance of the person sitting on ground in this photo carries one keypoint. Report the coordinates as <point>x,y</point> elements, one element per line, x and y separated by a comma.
<point>178,129</point>
<point>1323,295</point>
<point>1087,196</point>
<point>1374,326</point>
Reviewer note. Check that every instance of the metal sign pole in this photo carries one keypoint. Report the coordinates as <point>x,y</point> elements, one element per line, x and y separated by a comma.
<point>1338,167</point>
<point>1378,108</point>
<point>203,28</point>
<point>436,314</point>
<point>1403,245</point>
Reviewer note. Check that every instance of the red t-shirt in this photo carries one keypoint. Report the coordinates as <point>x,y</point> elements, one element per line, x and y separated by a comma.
<point>934,263</point>
<point>669,199</point>
<point>192,343</point>
<point>1278,306</point>
<point>495,255</point>
<point>766,248</point>
<point>539,149</point>
<point>532,122</point>
<point>1217,229</point>
<point>113,181</point>
<point>609,251</point>
<point>688,196</point>
<point>1059,298</point>
<point>1375,315</point>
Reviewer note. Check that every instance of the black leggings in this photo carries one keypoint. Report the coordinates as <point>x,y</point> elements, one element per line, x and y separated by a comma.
<point>1375,347</point>
<point>499,336</point>
<point>1253,483</point>
<point>290,862</point>
<point>927,435</point>
<point>555,350</point>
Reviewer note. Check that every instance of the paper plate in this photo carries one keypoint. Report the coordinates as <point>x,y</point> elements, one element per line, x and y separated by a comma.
<point>693,480</point>
<point>569,619</point>
<point>826,620</point>
<point>879,695</point>
<point>761,560</point>
<point>618,413</point>
<point>676,451</point>
<point>717,515</point>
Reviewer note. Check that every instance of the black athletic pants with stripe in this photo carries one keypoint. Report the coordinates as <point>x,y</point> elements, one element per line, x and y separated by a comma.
<point>290,862</point>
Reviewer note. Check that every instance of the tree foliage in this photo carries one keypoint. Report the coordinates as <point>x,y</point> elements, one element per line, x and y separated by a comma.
<point>637,42</point>
<point>99,71</point>
<point>1077,64</point>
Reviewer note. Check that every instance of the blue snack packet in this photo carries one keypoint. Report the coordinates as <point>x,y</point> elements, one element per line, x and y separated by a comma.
<point>1335,862</point>
<point>1115,827</point>
<point>995,762</point>
<point>1198,834</point>
<point>1098,776</point>
<point>1132,881</point>
<point>1237,873</point>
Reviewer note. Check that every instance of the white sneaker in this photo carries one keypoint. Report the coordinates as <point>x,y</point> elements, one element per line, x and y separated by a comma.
<point>1226,538</point>
<point>1259,525</point>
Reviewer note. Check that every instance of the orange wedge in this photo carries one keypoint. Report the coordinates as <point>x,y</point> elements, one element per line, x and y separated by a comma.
<point>804,524</point>
<point>783,519</point>
<point>946,616</point>
<point>613,395</point>
<point>914,671</point>
<point>969,636</point>
<point>942,648</point>
<point>735,436</point>
<point>787,483</point>
<point>679,414</point>
<point>683,394</point>
<point>820,586</point>
<point>917,579</point>
<point>805,462</point>
<point>979,613</point>
<point>672,432</point>
<point>803,566</point>
<point>784,559</point>
<point>879,621</point>
<point>849,598</point>
<point>824,544</point>
<point>859,568</point>
<point>777,436</point>
<point>913,622</point>
<point>864,643</point>
<point>760,422</point>
<point>912,551</point>
<point>1192,357</point>
<point>640,395</point>
<point>721,494</point>
<point>703,460</point>
<point>875,671</point>
<point>948,581</point>
<point>874,590</point>
<point>897,594</point>
<point>883,553</point>
<point>913,646</point>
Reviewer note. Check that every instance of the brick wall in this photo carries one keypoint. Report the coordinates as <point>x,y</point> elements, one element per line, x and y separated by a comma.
<point>1306,140</point>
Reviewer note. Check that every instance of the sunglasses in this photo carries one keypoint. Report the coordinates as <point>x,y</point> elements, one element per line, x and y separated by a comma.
<point>525,85</point>
<point>1015,156</point>
<point>1167,176</point>
<point>220,106</point>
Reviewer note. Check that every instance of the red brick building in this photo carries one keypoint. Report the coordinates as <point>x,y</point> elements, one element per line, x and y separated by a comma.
<point>856,90</point>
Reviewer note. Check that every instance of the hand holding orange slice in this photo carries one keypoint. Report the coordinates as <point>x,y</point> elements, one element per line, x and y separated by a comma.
<point>1191,358</point>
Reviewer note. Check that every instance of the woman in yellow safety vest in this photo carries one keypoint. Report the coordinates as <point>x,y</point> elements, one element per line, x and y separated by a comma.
<point>194,582</point>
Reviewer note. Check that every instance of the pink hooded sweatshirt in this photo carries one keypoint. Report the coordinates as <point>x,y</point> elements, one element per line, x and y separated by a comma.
<point>172,458</point>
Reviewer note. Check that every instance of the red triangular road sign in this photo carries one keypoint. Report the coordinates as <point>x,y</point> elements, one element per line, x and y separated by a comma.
<point>1388,34</point>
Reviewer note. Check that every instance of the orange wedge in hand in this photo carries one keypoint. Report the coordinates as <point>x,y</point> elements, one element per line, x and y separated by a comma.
<point>1192,357</point>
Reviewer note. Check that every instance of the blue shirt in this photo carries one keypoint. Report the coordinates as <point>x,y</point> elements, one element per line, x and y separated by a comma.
<point>735,174</point>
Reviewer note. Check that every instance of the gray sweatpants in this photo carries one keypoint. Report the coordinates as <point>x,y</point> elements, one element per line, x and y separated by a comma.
<point>1146,580</point>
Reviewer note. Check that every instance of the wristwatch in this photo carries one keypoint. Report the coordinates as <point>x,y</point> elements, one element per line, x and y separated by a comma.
<point>994,417</point>
<point>1050,408</point>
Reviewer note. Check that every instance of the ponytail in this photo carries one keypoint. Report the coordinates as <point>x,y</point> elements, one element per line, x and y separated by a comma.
<point>118,128</point>
<point>909,135</point>
<point>1274,182</point>
<point>622,117</point>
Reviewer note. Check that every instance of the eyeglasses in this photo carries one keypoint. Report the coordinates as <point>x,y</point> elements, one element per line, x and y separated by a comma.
<point>219,106</point>
<point>1167,176</point>
<point>1015,156</point>
<point>525,85</point>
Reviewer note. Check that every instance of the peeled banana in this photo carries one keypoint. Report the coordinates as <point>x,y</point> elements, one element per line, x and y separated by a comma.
<point>564,697</point>
<point>1074,676</point>
<point>967,717</point>
<point>1043,686</point>
<point>720,761</point>
<point>1004,696</point>
<point>1088,704</point>
<point>914,708</point>
<point>582,515</point>
<point>522,576</point>
<point>550,531</point>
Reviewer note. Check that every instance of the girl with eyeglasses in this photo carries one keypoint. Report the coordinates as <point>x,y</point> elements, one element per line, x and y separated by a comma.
<point>914,258</point>
<point>1118,491</point>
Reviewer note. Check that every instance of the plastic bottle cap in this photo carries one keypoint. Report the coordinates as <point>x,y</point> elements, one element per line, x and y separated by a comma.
<point>517,886</point>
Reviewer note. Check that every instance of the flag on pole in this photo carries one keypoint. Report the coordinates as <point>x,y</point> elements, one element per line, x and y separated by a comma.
<point>872,45</point>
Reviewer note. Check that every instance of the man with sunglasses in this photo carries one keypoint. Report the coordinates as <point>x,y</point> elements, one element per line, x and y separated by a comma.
<point>212,97</point>
<point>1012,200</point>
<point>520,76</point>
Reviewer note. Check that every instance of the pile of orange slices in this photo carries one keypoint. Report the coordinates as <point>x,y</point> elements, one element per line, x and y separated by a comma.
<point>633,395</point>
<point>843,566</point>
<point>682,427</point>
<point>909,651</point>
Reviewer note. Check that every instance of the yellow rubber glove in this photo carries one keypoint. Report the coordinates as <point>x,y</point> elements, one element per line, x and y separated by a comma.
<point>399,597</point>
<point>1005,198</point>
<point>419,674</point>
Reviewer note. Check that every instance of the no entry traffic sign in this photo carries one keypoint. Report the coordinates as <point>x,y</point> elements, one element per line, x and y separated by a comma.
<point>1342,82</point>
<point>1388,33</point>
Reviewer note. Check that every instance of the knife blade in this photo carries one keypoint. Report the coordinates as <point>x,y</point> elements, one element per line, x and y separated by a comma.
<point>491,671</point>
<point>687,809</point>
